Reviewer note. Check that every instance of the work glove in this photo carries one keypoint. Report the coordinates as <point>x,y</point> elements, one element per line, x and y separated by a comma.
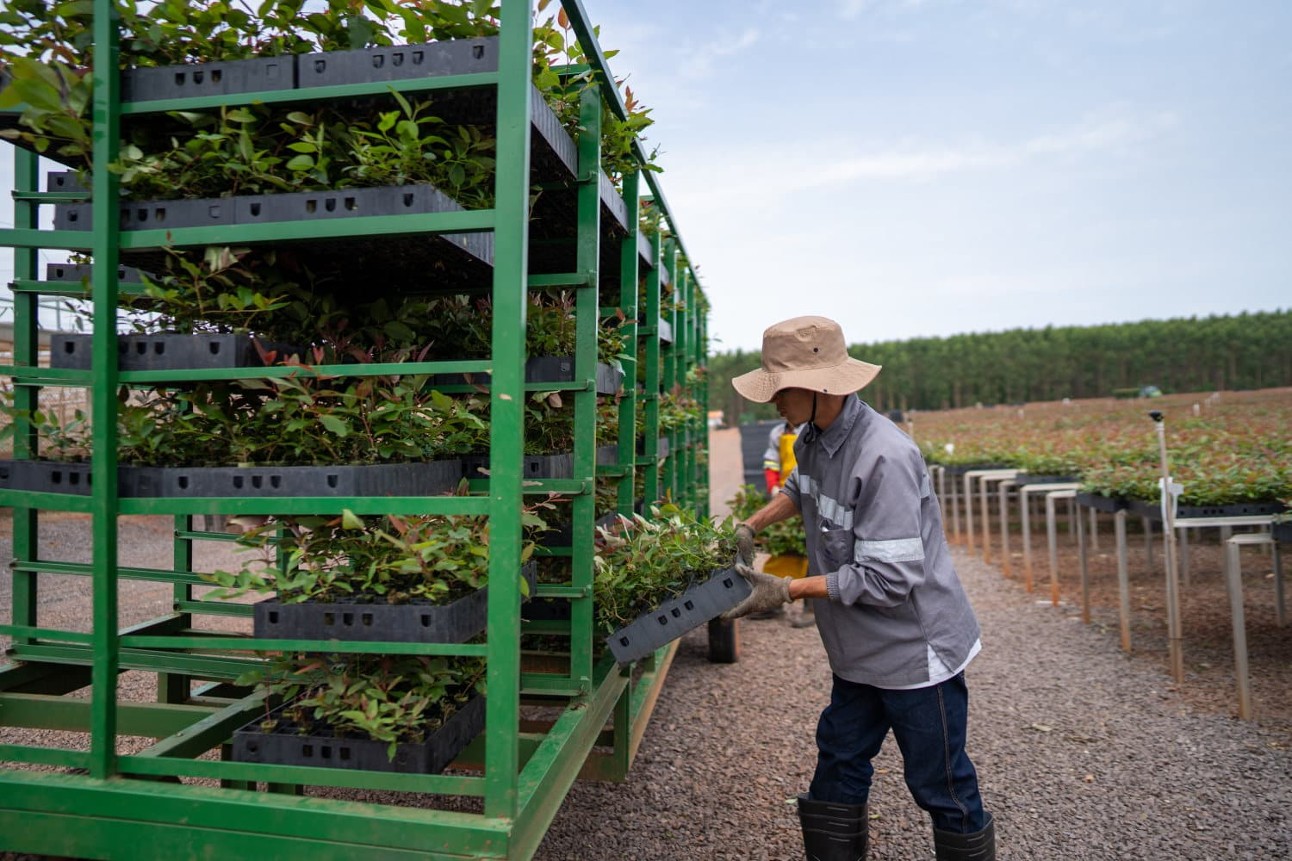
<point>745,544</point>
<point>769,593</point>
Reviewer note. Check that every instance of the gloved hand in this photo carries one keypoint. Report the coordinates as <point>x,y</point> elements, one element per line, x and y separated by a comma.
<point>745,544</point>
<point>769,593</point>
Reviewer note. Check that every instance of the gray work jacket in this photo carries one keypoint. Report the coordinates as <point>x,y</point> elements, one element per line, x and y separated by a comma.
<point>897,616</point>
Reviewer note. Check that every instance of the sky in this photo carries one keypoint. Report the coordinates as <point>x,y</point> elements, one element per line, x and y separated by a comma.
<point>932,167</point>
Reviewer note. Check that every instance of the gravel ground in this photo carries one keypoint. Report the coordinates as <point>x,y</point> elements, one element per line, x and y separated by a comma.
<point>1082,752</point>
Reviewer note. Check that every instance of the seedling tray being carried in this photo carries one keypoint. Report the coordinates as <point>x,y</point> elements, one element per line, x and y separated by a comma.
<point>374,621</point>
<point>697,605</point>
<point>289,744</point>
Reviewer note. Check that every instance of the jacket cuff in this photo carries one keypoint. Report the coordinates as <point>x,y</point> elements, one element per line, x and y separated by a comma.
<point>832,585</point>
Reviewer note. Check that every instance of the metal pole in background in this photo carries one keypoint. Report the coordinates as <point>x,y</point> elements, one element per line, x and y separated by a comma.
<point>1172,572</point>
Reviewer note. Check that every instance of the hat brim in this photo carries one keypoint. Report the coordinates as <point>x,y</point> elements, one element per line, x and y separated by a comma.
<point>761,386</point>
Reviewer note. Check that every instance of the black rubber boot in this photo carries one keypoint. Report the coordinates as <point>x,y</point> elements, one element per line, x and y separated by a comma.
<point>833,832</point>
<point>979,846</point>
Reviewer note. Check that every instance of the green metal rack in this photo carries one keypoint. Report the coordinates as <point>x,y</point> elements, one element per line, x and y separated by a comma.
<point>181,795</point>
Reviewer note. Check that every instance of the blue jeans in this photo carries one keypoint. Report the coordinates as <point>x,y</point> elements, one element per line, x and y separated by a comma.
<point>929,725</point>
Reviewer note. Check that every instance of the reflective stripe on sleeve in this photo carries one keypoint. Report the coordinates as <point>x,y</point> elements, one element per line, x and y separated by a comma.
<point>892,550</point>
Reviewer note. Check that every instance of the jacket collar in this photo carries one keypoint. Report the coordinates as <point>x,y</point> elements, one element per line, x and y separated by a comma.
<point>833,437</point>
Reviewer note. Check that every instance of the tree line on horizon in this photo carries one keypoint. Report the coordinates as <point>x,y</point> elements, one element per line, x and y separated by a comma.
<point>1227,352</point>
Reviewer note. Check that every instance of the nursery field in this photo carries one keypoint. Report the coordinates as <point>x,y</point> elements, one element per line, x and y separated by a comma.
<point>1224,447</point>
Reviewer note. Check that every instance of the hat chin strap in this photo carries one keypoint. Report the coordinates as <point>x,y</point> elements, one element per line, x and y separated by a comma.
<point>810,430</point>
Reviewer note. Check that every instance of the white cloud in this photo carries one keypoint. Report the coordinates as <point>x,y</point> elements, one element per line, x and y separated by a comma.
<point>700,63</point>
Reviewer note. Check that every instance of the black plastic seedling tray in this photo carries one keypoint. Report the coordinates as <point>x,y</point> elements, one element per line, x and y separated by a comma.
<point>160,352</point>
<point>375,621</point>
<point>215,78</point>
<point>707,600</point>
<point>384,479</point>
<point>534,466</point>
<point>1153,510</point>
<point>80,271</point>
<point>544,369</point>
<point>289,744</point>
<point>1099,502</point>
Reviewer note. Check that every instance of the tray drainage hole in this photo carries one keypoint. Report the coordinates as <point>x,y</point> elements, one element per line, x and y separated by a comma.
<point>56,477</point>
<point>273,617</point>
<point>183,482</point>
<point>214,347</point>
<point>330,204</point>
<point>73,215</point>
<point>69,347</point>
<point>426,620</point>
<point>408,199</point>
<point>320,66</point>
<point>366,619</point>
<point>255,210</point>
<point>347,619</point>
<point>329,619</point>
<point>257,481</point>
<point>378,60</point>
<point>677,614</point>
<point>727,582</point>
<point>73,478</point>
<point>159,348</point>
<point>332,480</point>
<point>326,752</point>
<point>352,204</point>
<point>477,52</point>
<point>198,77</point>
<point>418,57</point>
<point>344,754</point>
<point>275,481</point>
<point>307,750</point>
<point>397,59</point>
<point>662,618</point>
<point>179,79</point>
<point>253,747</point>
<point>623,641</point>
<point>4,476</point>
<point>311,206</point>
<point>690,605</point>
<point>142,214</point>
<point>237,482</point>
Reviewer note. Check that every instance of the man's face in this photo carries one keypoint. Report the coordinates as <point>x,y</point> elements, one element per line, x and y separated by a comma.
<point>794,405</point>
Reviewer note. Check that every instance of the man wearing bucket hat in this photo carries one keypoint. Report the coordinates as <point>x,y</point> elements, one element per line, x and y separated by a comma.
<point>897,627</point>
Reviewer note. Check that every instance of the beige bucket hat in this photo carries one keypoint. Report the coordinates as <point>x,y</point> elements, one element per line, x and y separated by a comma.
<point>805,353</point>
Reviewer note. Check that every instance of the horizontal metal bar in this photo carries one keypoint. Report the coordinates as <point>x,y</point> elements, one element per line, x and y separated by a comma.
<point>248,644</point>
<point>49,196</point>
<point>547,685</point>
<point>86,569</point>
<point>465,221</point>
<point>64,240</point>
<point>201,666</point>
<point>195,535</point>
<point>84,377</point>
<point>215,608</point>
<point>50,634</point>
<point>550,591</point>
<point>291,505</point>
<point>303,775</point>
<point>44,755</point>
<point>47,501</point>
<point>152,720</point>
<point>567,279</point>
<point>312,94</point>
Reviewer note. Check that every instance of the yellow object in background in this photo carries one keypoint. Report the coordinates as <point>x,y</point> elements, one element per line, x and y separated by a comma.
<point>786,566</point>
<point>787,455</point>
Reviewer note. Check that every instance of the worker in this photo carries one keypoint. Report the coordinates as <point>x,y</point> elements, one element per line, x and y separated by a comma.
<point>897,627</point>
<point>778,459</point>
